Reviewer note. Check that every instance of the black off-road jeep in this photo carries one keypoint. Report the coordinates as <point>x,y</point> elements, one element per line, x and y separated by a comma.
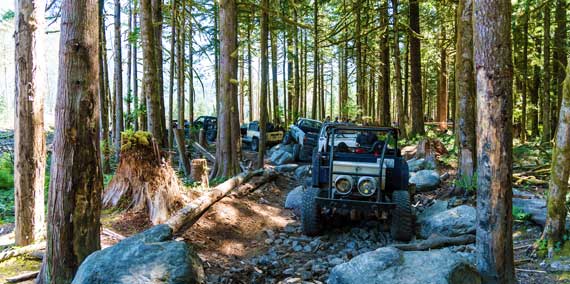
<point>358,168</point>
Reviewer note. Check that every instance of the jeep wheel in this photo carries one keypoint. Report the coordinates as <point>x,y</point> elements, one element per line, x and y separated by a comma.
<point>310,212</point>
<point>254,144</point>
<point>402,228</point>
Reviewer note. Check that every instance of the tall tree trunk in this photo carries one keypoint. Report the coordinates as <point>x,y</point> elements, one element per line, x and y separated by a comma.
<point>546,117</point>
<point>74,202</point>
<point>525,73</point>
<point>30,149</point>
<point>118,78</point>
<point>138,116</point>
<point>104,93</point>
<point>129,98</point>
<point>555,227</point>
<point>228,121</point>
<point>181,65</point>
<point>442,90</point>
<point>305,69</point>
<point>417,115</point>
<point>358,50</point>
<point>384,82</point>
<point>190,68</point>
<point>157,25</point>
<point>174,23</point>
<point>264,37</point>
<point>533,113</point>
<point>151,82</point>
<point>290,76</point>
<point>560,59</point>
<point>315,58</point>
<point>285,109</point>
<point>273,36</point>
<point>494,73</point>
<point>241,86</point>
<point>249,74</point>
<point>398,73</point>
<point>297,82</point>
<point>465,91</point>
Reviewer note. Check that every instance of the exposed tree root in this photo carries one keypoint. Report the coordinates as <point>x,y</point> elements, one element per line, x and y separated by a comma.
<point>144,180</point>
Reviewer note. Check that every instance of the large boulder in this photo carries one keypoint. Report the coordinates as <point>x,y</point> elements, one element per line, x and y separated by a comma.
<point>302,172</point>
<point>425,180</point>
<point>294,200</point>
<point>437,207</point>
<point>390,265</point>
<point>531,204</point>
<point>451,223</point>
<point>281,154</point>
<point>148,257</point>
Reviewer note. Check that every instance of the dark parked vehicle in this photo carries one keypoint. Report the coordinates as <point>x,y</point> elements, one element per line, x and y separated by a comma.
<point>358,168</point>
<point>210,125</point>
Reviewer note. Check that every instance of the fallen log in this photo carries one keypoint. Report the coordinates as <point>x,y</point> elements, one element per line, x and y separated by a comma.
<point>21,251</point>
<point>255,183</point>
<point>22,277</point>
<point>189,214</point>
<point>437,242</point>
<point>204,152</point>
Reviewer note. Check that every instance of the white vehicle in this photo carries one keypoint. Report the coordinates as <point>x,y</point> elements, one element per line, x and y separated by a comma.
<point>304,133</point>
<point>274,136</point>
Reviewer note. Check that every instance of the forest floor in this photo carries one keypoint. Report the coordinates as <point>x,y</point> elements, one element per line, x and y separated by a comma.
<point>254,239</point>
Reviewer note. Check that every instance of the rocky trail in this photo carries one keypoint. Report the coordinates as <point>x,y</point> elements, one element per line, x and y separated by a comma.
<point>256,238</point>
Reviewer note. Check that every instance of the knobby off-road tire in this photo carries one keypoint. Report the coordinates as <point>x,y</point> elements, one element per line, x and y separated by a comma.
<point>402,227</point>
<point>310,212</point>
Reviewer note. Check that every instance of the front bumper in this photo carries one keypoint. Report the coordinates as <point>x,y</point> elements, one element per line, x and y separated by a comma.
<point>353,204</point>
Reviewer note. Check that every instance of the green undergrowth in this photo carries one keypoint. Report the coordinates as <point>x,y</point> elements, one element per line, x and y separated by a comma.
<point>6,171</point>
<point>520,215</point>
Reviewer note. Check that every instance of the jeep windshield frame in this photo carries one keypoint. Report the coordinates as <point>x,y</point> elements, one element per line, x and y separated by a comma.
<point>330,132</point>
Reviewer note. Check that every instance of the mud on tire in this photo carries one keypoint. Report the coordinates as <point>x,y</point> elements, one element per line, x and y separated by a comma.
<point>402,227</point>
<point>310,212</point>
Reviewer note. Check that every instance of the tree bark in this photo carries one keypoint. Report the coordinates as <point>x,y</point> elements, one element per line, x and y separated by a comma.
<point>442,83</point>
<point>29,149</point>
<point>74,205</point>
<point>546,117</point>
<point>151,82</point>
<point>174,23</point>
<point>228,120</point>
<point>136,105</point>
<point>465,91</point>
<point>398,73</point>
<point>384,81</point>
<point>555,227</point>
<point>315,58</point>
<point>118,78</point>
<point>263,119</point>
<point>104,94</point>
<point>129,99</point>
<point>276,119</point>
<point>525,73</point>
<point>559,54</point>
<point>157,26</point>
<point>494,73</point>
<point>249,74</point>
<point>417,115</point>
<point>181,65</point>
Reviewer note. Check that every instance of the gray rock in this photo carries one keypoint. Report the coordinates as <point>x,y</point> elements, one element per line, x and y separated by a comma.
<point>285,158</point>
<point>148,257</point>
<point>437,207</point>
<point>302,171</point>
<point>534,205</point>
<point>390,265</point>
<point>425,180</point>
<point>294,200</point>
<point>453,222</point>
<point>287,168</point>
<point>559,266</point>
<point>421,164</point>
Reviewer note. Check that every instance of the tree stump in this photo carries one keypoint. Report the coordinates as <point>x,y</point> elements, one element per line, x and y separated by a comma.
<point>144,181</point>
<point>200,171</point>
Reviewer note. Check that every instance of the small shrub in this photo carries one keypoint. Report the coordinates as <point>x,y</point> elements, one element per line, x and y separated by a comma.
<point>6,171</point>
<point>467,183</point>
<point>520,215</point>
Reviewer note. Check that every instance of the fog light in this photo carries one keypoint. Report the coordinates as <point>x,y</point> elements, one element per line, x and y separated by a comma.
<point>367,186</point>
<point>343,184</point>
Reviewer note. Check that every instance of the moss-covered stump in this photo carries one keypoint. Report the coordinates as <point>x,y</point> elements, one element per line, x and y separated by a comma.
<point>144,179</point>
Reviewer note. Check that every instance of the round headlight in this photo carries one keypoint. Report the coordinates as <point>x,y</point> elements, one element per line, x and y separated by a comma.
<point>367,186</point>
<point>343,184</point>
